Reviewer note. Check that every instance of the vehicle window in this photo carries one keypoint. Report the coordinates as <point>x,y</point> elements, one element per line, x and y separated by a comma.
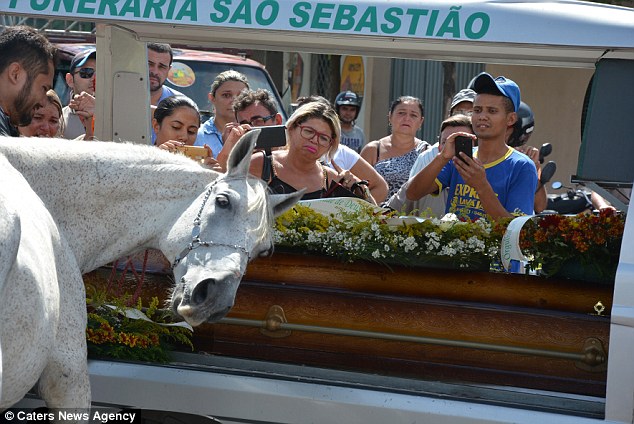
<point>195,84</point>
<point>204,74</point>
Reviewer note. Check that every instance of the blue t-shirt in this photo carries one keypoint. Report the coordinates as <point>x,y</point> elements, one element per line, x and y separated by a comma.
<point>167,92</point>
<point>208,134</point>
<point>513,178</point>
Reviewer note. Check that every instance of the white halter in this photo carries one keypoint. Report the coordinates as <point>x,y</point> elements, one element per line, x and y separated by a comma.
<point>196,242</point>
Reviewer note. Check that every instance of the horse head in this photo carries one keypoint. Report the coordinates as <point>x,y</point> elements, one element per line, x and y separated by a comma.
<point>228,225</point>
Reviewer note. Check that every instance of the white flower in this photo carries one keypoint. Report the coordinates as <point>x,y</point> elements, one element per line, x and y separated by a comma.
<point>409,244</point>
<point>474,244</point>
<point>448,251</point>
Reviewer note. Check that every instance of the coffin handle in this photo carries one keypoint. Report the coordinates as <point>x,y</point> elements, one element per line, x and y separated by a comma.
<point>273,322</point>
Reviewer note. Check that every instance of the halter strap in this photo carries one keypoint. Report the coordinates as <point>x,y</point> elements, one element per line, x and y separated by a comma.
<point>196,242</point>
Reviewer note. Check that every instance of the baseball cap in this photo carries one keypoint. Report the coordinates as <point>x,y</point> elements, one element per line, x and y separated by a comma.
<point>80,58</point>
<point>485,83</point>
<point>464,95</point>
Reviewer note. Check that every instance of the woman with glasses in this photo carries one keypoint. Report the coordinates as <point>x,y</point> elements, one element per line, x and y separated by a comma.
<point>393,155</point>
<point>312,132</point>
<point>47,120</point>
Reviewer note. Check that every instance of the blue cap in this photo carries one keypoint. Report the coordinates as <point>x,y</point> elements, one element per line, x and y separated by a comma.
<point>486,84</point>
<point>80,58</point>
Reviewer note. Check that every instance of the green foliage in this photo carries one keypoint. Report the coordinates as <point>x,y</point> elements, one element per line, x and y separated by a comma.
<point>382,238</point>
<point>110,333</point>
<point>549,241</point>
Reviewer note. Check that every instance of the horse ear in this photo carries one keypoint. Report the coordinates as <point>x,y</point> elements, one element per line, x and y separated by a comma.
<point>240,156</point>
<point>282,202</point>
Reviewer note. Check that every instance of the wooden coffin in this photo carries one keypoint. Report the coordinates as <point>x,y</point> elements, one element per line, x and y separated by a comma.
<point>433,324</point>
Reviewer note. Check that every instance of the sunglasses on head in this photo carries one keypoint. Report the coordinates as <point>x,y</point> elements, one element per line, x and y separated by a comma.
<point>86,73</point>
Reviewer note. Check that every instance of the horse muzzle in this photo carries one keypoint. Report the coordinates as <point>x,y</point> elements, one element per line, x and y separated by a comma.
<point>208,300</point>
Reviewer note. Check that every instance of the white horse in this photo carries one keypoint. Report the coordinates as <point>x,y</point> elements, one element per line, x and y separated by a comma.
<point>37,275</point>
<point>108,200</point>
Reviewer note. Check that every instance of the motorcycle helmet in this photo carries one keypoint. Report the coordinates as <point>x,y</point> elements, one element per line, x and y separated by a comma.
<point>524,126</point>
<point>348,98</point>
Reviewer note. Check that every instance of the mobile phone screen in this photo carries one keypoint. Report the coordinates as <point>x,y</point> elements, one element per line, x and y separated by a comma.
<point>465,145</point>
<point>271,136</point>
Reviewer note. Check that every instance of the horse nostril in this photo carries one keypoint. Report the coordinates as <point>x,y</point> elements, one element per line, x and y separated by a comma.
<point>199,295</point>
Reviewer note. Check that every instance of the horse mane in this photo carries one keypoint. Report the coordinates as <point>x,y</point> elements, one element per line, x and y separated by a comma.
<point>267,219</point>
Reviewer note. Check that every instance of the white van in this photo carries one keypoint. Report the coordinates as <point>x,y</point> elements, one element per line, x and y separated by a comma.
<point>565,34</point>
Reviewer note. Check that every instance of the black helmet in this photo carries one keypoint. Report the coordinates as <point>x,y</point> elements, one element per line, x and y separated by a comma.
<point>349,98</point>
<point>524,126</point>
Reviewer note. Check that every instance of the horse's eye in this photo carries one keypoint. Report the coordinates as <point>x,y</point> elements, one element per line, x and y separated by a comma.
<point>222,201</point>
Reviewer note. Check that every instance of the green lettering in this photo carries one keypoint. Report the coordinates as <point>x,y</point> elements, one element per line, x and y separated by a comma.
<point>82,8</point>
<point>188,9</point>
<point>34,4</point>
<point>222,11</point>
<point>485,22</point>
<point>243,13</point>
<point>416,14</point>
<point>344,19</point>
<point>112,7</point>
<point>131,7</point>
<point>12,4</point>
<point>432,23</point>
<point>302,15</point>
<point>170,10</point>
<point>368,20</point>
<point>259,13</point>
<point>321,11</point>
<point>451,25</point>
<point>154,5</point>
<point>392,16</point>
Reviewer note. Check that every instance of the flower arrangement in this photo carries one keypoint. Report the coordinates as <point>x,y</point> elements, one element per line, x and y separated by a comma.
<point>368,235</point>
<point>591,242</point>
<point>549,241</point>
<point>137,333</point>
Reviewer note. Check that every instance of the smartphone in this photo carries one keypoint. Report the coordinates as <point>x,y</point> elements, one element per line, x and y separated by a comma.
<point>464,144</point>
<point>194,152</point>
<point>271,136</point>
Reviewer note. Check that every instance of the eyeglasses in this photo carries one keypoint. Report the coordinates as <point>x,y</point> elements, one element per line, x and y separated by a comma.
<point>309,133</point>
<point>258,121</point>
<point>86,73</point>
<point>462,112</point>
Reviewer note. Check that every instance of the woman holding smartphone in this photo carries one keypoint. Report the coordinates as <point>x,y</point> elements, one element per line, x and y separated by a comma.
<point>176,121</point>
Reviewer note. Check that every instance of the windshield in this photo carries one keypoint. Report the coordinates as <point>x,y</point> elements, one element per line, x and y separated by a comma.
<point>193,78</point>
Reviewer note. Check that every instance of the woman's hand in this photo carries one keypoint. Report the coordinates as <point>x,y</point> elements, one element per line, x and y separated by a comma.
<point>210,162</point>
<point>213,164</point>
<point>232,133</point>
<point>171,145</point>
<point>344,176</point>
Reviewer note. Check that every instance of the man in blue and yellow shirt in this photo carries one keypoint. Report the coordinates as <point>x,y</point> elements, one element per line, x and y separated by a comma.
<point>498,181</point>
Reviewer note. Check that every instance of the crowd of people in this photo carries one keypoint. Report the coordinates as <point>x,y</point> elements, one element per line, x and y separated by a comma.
<point>324,152</point>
